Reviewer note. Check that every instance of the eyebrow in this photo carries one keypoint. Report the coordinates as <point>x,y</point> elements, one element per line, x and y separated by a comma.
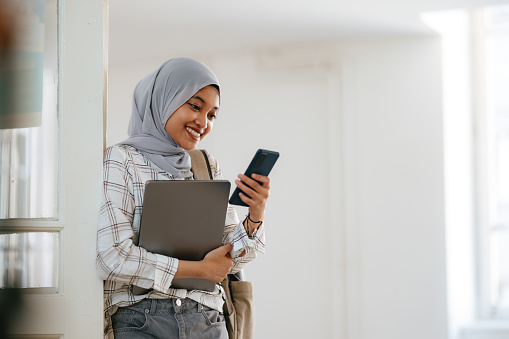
<point>201,99</point>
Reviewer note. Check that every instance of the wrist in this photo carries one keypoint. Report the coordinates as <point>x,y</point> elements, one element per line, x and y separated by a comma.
<point>190,269</point>
<point>201,267</point>
<point>254,218</point>
<point>251,225</point>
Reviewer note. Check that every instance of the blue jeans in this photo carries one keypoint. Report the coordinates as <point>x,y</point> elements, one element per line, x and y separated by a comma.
<point>169,318</point>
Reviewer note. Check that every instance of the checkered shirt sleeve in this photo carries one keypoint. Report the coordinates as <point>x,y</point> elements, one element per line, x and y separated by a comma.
<point>118,258</point>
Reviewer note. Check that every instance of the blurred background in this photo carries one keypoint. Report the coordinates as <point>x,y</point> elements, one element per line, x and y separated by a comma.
<point>389,208</point>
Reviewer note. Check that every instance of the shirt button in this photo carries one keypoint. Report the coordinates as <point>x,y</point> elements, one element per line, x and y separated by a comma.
<point>178,302</point>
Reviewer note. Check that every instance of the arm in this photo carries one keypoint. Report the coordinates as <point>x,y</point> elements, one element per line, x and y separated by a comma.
<point>245,247</point>
<point>258,192</point>
<point>214,267</point>
<point>118,259</point>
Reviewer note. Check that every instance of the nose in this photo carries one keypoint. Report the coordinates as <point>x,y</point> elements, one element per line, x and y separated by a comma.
<point>201,120</point>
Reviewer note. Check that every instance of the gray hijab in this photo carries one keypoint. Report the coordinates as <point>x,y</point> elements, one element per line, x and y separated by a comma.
<point>155,99</point>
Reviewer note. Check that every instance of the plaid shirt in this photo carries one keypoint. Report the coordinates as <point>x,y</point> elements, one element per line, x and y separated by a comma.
<point>121,263</point>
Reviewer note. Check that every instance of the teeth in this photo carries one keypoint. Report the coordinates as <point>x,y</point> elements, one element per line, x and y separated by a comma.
<point>193,132</point>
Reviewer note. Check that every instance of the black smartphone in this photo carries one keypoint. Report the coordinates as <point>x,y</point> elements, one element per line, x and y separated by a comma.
<point>262,164</point>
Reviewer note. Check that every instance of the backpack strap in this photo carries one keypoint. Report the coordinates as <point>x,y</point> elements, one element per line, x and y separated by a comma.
<point>200,165</point>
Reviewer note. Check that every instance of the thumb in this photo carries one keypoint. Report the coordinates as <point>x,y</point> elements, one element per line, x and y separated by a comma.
<point>227,248</point>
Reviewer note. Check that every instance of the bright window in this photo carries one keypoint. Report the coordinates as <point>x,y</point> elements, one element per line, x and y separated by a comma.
<point>493,162</point>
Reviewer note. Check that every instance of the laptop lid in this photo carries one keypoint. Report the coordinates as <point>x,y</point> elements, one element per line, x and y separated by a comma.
<point>184,219</point>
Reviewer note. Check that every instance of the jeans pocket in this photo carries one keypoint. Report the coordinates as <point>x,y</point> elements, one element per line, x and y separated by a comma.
<point>126,319</point>
<point>212,317</point>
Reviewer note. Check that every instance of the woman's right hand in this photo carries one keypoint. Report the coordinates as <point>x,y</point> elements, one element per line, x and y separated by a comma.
<point>214,267</point>
<point>217,263</point>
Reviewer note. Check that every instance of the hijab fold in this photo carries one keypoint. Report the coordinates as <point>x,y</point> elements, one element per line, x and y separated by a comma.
<point>156,97</point>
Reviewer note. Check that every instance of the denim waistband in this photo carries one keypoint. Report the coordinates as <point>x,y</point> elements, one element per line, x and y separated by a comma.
<point>178,305</point>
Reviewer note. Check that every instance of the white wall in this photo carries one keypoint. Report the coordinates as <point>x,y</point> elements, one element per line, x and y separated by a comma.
<point>355,222</point>
<point>399,190</point>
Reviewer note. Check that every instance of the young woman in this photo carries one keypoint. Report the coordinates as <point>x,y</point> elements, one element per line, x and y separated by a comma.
<point>174,108</point>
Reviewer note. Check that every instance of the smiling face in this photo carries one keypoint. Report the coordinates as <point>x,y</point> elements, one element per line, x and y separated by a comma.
<point>192,121</point>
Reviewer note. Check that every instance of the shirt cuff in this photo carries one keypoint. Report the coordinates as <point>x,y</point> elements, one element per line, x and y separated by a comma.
<point>241,241</point>
<point>165,270</point>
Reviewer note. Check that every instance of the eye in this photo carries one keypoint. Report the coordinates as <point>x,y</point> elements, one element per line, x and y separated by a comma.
<point>193,106</point>
<point>212,116</point>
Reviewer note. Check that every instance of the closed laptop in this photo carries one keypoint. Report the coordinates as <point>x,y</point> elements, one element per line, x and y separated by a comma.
<point>183,219</point>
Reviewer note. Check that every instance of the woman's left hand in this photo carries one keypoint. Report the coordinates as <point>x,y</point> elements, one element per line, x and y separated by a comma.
<point>256,194</point>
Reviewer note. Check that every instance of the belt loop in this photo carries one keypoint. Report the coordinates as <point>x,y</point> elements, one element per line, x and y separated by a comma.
<point>200,307</point>
<point>153,307</point>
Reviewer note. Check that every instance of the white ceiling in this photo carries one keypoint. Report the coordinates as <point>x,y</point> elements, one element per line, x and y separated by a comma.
<point>148,29</point>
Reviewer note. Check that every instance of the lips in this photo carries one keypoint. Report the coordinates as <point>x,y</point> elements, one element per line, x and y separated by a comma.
<point>194,134</point>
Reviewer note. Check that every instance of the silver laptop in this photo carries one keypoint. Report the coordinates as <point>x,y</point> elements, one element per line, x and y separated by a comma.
<point>183,219</point>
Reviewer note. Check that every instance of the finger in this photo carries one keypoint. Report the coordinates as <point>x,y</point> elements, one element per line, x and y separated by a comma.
<point>250,182</point>
<point>265,181</point>
<point>245,188</point>
<point>258,194</point>
<point>248,201</point>
<point>227,247</point>
<point>253,198</point>
<point>258,183</point>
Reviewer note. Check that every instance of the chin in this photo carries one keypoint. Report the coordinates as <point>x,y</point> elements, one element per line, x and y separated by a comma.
<point>190,147</point>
